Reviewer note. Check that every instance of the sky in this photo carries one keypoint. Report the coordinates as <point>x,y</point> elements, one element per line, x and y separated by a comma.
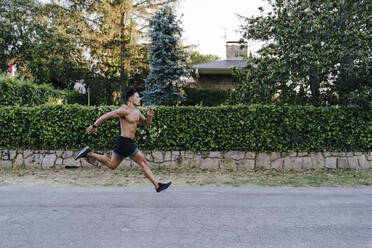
<point>210,23</point>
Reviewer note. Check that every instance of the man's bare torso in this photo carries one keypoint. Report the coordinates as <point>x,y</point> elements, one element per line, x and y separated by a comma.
<point>128,124</point>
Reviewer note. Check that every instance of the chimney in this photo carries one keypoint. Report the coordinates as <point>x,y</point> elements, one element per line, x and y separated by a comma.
<point>236,50</point>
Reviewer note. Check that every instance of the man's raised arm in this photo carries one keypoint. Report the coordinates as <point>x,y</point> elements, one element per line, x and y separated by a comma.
<point>117,113</point>
<point>147,121</point>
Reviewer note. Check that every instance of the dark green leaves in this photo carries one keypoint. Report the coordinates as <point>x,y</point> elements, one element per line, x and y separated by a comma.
<point>317,52</point>
<point>248,128</point>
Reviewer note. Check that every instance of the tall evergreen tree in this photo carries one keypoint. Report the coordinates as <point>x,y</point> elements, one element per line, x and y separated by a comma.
<point>168,61</point>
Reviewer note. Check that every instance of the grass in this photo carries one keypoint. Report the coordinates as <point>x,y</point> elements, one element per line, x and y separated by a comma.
<point>88,177</point>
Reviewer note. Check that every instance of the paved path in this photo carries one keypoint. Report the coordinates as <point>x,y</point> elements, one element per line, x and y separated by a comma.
<point>189,217</point>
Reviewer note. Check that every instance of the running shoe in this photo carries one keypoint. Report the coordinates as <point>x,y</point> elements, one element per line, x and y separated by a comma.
<point>163,186</point>
<point>83,153</point>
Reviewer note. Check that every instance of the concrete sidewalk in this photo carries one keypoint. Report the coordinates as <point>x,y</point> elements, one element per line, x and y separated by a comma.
<point>192,217</point>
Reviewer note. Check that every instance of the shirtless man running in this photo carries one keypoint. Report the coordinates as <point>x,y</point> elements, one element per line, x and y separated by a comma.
<point>129,117</point>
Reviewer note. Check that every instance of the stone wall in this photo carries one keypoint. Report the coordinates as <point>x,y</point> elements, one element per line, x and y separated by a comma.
<point>233,160</point>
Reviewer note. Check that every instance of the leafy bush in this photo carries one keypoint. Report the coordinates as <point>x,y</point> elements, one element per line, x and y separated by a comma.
<point>26,93</point>
<point>205,97</point>
<point>249,128</point>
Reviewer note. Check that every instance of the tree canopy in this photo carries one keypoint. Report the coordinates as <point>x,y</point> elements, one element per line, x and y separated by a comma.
<point>59,42</point>
<point>317,52</point>
<point>42,41</point>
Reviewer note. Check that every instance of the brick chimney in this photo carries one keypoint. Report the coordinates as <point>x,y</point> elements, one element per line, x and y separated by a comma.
<point>236,50</point>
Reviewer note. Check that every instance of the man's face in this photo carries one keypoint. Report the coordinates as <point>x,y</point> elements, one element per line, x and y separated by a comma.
<point>136,99</point>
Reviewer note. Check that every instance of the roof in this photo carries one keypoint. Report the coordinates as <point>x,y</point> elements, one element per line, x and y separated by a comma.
<point>219,67</point>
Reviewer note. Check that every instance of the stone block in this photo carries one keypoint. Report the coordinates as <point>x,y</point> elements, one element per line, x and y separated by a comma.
<point>5,155</point>
<point>369,156</point>
<point>38,158</point>
<point>302,154</point>
<point>5,164</point>
<point>158,157</point>
<point>331,162</point>
<point>27,153</point>
<point>215,155</point>
<point>93,161</point>
<point>326,154</point>
<point>126,163</point>
<point>34,161</point>
<point>205,154</point>
<point>318,160</point>
<point>49,161</point>
<point>186,163</point>
<point>168,156</point>
<point>195,162</point>
<point>209,164</point>
<point>175,155</point>
<point>83,162</point>
<point>349,154</point>
<point>284,154</point>
<point>307,163</point>
<point>363,163</point>
<point>148,156</point>
<point>18,163</point>
<point>293,163</point>
<point>342,163</point>
<point>358,153</point>
<point>277,164</point>
<point>70,162</point>
<point>169,164</point>
<point>59,154</point>
<point>353,162</point>
<point>250,155</point>
<point>228,164</point>
<point>235,155</point>
<point>67,154</point>
<point>338,154</point>
<point>293,154</point>
<point>12,154</point>
<point>59,161</point>
<point>178,160</point>
<point>246,164</point>
<point>275,156</point>
<point>263,161</point>
<point>188,154</point>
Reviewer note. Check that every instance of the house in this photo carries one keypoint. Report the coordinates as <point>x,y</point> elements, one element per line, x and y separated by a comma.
<point>218,75</point>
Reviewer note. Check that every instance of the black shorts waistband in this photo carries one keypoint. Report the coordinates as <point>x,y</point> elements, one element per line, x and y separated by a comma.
<point>126,138</point>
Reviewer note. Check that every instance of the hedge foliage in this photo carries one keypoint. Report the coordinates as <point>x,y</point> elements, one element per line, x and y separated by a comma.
<point>205,97</point>
<point>249,128</point>
<point>26,93</point>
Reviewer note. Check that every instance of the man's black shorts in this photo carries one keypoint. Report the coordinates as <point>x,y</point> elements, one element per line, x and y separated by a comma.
<point>125,147</point>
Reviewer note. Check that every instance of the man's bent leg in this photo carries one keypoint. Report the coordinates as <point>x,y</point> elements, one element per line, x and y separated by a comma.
<point>112,164</point>
<point>140,159</point>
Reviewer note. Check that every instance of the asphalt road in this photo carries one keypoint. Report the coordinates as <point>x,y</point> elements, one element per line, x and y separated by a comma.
<point>190,217</point>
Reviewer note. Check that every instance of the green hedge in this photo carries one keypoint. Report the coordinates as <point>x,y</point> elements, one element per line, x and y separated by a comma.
<point>26,93</point>
<point>205,97</point>
<point>250,128</point>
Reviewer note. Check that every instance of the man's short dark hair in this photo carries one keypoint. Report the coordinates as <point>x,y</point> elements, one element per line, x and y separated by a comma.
<point>130,93</point>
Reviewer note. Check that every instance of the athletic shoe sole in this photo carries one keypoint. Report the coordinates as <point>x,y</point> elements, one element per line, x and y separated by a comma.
<point>83,153</point>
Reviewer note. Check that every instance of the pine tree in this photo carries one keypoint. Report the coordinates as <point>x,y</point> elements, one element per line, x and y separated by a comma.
<point>168,61</point>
